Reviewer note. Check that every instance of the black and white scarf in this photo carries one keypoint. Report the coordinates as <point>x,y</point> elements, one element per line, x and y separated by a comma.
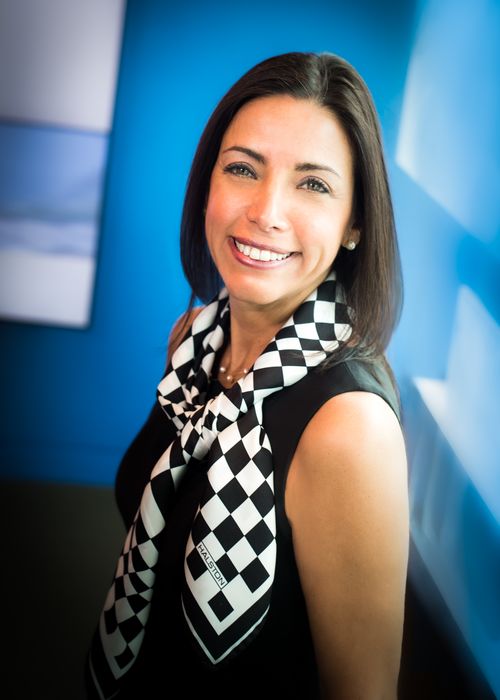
<point>231,550</point>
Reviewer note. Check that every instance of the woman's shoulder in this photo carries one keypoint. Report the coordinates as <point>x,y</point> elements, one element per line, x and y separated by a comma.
<point>372,376</point>
<point>358,418</point>
<point>349,425</point>
<point>299,413</point>
<point>302,400</point>
<point>354,437</point>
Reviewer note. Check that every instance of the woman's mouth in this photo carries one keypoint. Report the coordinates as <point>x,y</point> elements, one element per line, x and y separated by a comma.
<point>259,254</point>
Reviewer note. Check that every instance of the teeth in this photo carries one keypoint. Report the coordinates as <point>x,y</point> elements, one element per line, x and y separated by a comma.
<point>260,254</point>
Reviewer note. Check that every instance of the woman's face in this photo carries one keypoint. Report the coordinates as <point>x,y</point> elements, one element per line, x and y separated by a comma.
<point>280,202</point>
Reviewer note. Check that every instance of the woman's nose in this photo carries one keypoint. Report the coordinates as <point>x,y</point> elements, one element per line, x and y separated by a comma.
<point>268,206</point>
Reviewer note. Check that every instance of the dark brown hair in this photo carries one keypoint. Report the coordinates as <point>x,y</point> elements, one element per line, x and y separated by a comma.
<point>371,273</point>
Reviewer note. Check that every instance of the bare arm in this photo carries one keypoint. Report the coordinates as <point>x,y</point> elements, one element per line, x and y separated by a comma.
<point>346,499</point>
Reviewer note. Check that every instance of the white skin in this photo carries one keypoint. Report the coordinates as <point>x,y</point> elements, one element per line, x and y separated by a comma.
<point>346,493</point>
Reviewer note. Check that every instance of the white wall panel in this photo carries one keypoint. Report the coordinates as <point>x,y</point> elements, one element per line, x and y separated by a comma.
<point>58,61</point>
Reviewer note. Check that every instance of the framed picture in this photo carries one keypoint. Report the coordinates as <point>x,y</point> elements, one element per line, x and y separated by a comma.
<point>58,72</point>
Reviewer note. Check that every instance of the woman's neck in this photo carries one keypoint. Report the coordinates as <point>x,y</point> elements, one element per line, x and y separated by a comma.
<point>251,331</point>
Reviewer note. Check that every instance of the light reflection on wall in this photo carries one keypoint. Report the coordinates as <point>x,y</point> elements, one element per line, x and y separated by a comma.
<point>449,140</point>
<point>455,480</point>
<point>449,145</point>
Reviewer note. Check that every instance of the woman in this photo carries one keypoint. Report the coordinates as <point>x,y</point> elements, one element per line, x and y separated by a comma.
<point>266,494</point>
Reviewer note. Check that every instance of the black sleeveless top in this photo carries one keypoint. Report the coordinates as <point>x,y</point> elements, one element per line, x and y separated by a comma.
<point>278,661</point>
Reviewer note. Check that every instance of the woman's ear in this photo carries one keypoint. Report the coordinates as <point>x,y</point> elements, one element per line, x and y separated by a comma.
<point>351,239</point>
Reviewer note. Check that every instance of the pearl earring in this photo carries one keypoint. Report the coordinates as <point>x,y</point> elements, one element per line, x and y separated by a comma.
<point>350,245</point>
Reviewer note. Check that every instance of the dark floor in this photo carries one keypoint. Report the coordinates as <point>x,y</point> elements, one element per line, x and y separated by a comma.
<point>60,543</point>
<point>60,546</point>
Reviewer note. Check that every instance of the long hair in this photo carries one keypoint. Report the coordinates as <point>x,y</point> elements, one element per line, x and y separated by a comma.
<point>370,274</point>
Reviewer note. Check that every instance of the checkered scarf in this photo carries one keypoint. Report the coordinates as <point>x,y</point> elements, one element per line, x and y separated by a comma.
<point>231,551</point>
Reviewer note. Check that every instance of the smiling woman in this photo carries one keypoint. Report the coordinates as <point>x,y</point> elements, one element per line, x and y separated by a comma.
<point>270,198</point>
<point>266,494</point>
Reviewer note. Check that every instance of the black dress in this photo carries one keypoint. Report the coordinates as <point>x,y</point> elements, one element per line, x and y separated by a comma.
<point>278,660</point>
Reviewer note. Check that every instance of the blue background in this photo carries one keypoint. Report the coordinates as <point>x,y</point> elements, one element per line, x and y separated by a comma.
<point>72,399</point>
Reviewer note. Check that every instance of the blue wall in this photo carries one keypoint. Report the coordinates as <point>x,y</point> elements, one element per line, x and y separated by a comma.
<point>446,352</point>
<point>72,399</point>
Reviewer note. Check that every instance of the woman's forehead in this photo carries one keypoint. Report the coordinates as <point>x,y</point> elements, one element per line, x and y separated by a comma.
<point>282,125</point>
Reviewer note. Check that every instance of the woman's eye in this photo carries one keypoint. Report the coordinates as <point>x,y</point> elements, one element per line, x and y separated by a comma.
<point>239,169</point>
<point>314,185</point>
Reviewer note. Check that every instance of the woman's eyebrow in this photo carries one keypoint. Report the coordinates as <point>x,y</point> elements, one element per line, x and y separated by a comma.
<point>247,151</point>
<point>300,167</point>
<point>303,167</point>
